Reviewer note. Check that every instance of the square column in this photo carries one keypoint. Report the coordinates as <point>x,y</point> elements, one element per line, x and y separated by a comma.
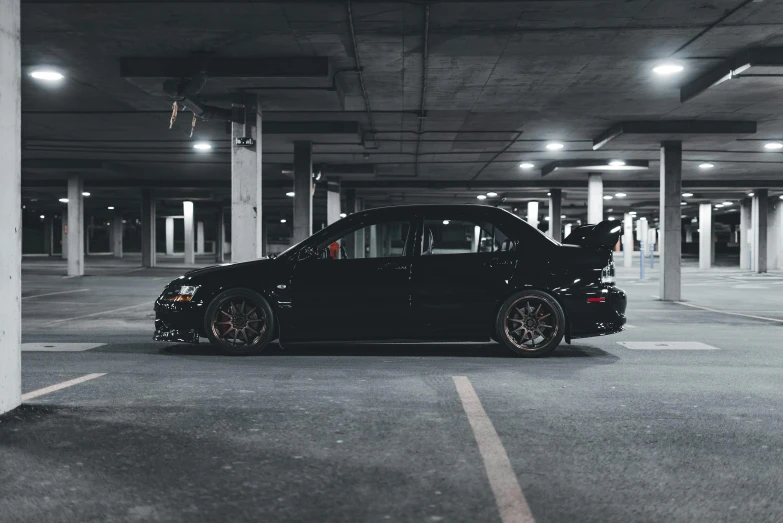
<point>187,211</point>
<point>64,234</point>
<point>670,226</point>
<point>220,236</point>
<point>200,238</point>
<point>117,230</point>
<point>532,214</point>
<point>246,203</point>
<point>10,208</point>
<point>169,236</point>
<point>75,226</point>
<point>555,213</point>
<point>595,198</point>
<point>627,240</point>
<point>303,191</point>
<point>355,249</point>
<point>148,215</point>
<point>705,236</point>
<point>759,216</point>
<point>333,209</point>
<point>745,239</point>
<point>48,224</point>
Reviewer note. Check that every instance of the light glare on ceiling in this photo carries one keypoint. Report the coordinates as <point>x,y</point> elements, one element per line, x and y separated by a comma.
<point>607,197</point>
<point>343,215</point>
<point>290,194</point>
<point>667,69</point>
<point>47,75</point>
<point>773,146</point>
<point>554,146</point>
<point>85,193</point>
<point>620,195</point>
<point>687,194</point>
<point>526,165</point>
<point>481,197</point>
<point>110,207</point>
<point>706,165</point>
<point>617,163</point>
<point>282,220</point>
<point>492,194</point>
<point>63,200</point>
<point>202,146</point>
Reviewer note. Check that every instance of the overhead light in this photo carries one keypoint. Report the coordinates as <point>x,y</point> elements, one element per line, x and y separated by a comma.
<point>706,165</point>
<point>42,216</point>
<point>343,215</point>
<point>63,200</point>
<point>526,165</point>
<point>446,222</point>
<point>290,194</point>
<point>683,203</point>
<point>549,194</point>
<point>47,75</point>
<point>554,146</point>
<point>718,205</point>
<point>667,69</point>
<point>620,195</point>
<point>546,218</point>
<point>481,197</point>
<point>687,194</point>
<point>110,208</point>
<point>492,194</point>
<point>773,146</point>
<point>607,197</point>
<point>85,193</point>
<point>727,204</point>
<point>750,194</point>
<point>202,146</point>
<point>317,176</point>
<point>611,218</point>
<point>617,163</point>
<point>564,216</point>
<point>282,220</point>
<point>781,196</point>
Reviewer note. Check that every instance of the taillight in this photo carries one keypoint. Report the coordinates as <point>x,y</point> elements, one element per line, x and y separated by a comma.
<point>596,300</point>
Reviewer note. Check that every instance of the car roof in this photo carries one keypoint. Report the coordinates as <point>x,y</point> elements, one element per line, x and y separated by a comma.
<point>434,207</point>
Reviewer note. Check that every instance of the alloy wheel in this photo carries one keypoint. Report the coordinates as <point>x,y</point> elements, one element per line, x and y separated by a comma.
<point>239,322</point>
<point>530,323</point>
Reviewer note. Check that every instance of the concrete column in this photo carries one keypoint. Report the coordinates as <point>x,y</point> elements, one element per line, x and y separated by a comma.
<point>759,217</point>
<point>187,211</point>
<point>705,235</point>
<point>64,234</point>
<point>116,235</point>
<point>169,236</point>
<point>220,236</point>
<point>332,202</point>
<point>775,236</point>
<point>689,233</point>
<point>75,226</point>
<point>246,209</point>
<point>48,224</point>
<point>200,238</point>
<point>303,191</point>
<point>264,239</point>
<point>595,198</point>
<point>532,214</point>
<point>670,224</point>
<point>627,240</point>
<point>148,216</point>
<point>555,213</point>
<point>745,239</point>
<point>10,208</point>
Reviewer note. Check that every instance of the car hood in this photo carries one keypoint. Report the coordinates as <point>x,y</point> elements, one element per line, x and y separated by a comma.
<point>224,268</point>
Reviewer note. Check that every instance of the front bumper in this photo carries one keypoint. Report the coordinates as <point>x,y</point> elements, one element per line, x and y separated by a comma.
<point>177,321</point>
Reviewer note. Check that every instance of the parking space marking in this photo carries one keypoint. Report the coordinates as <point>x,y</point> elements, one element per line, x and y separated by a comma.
<point>53,293</point>
<point>666,345</point>
<point>59,386</point>
<point>59,347</point>
<point>508,494</point>
<point>101,313</point>
<point>729,313</point>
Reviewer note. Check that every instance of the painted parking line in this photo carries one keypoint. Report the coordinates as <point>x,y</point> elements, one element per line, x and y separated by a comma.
<point>59,347</point>
<point>53,293</point>
<point>666,345</point>
<point>101,313</point>
<point>510,500</point>
<point>60,386</point>
<point>730,313</point>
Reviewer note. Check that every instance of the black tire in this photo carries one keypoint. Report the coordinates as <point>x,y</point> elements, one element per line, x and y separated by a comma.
<point>239,322</point>
<point>527,314</point>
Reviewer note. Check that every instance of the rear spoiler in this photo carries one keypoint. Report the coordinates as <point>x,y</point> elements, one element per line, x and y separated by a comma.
<point>604,235</point>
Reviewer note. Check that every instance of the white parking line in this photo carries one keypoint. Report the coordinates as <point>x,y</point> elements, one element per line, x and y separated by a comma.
<point>729,313</point>
<point>58,386</point>
<point>508,494</point>
<point>55,322</point>
<point>53,293</point>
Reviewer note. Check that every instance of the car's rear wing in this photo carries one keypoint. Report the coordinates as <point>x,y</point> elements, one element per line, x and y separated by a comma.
<point>604,235</point>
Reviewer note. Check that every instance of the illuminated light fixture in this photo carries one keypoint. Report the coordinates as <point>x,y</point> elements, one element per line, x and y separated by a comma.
<point>706,165</point>
<point>492,194</point>
<point>343,215</point>
<point>446,222</point>
<point>750,194</point>
<point>632,213</point>
<point>549,194</point>
<point>611,218</point>
<point>282,220</point>
<point>202,146</point>
<point>718,205</point>
<point>687,194</point>
<point>85,193</point>
<point>607,197</point>
<point>526,165</point>
<point>564,216</point>
<point>111,208</point>
<point>781,196</point>
<point>63,200</point>
<point>42,216</point>
<point>620,195</point>
<point>617,163</point>
<point>683,203</point>
<point>727,204</point>
<point>290,194</point>
<point>554,146</point>
<point>481,197</point>
<point>667,69</point>
<point>546,218</point>
<point>773,146</point>
<point>47,75</point>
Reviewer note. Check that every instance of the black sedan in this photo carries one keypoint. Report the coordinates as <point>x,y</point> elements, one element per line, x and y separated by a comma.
<point>456,272</point>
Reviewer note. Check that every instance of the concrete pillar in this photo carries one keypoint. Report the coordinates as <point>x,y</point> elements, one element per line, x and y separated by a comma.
<point>555,213</point>
<point>200,238</point>
<point>670,224</point>
<point>759,217</point>
<point>246,209</point>
<point>220,236</point>
<point>169,236</point>
<point>116,235</point>
<point>148,216</point>
<point>75,226</point>
<point>775,236</point>
<point>64,234</point>
<point>627,240</point>
<point>689,233</point>
<point>705,235</point>
<point>332,202</point>
<point>745,238</point>
<point>48,245</point>
<point>264,239</point>
<point>187,211</point>
<point>354,243</point>
<point>595,198</point>
<point>532,214</point>
<point>10,208</point>
<point>303,191</point>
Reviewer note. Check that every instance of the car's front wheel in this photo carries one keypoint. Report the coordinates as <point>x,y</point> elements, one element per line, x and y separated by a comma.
<point>239,322</point>
<point>530,323</point>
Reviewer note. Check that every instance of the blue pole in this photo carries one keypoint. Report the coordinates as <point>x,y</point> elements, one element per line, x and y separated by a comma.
<point>652,258</point>
<point>641,260</point>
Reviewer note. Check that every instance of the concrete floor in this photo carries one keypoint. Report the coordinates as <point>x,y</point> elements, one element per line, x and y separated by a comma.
<point>597,433</point>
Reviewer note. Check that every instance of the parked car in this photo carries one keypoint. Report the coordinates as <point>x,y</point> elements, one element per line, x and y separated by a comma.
<point>424,272</point>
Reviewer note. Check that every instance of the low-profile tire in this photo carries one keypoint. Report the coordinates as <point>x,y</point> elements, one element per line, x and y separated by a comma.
<point>239,322</point>
<point>530,323</point>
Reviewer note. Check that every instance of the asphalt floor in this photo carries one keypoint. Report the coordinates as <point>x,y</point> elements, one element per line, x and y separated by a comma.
<point>599,432</point>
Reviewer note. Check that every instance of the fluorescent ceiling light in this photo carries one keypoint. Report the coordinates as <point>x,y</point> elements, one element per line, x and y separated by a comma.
<point>111,208</point>
<point>750,194</point>
<point>727,204</point>
<point>667,69</point>
<point>526,165</point>
<point>611,218</point>
<point>481,197</point>
<point>617,163</point>
<point>545,218</point>
<point>85,193</point>
<point>620,195</point>
<point>446,222</point>
<point>343,215</point>
<point>687,194</point>
<point>492,194</point>
<point>563,216</point>
<point>607,197</point>
<point>64,200</point>
<point>202,146</point>
<point>554,146</point>
<point>42,216</point>
<point>282,220</point>
<point>47,75</point>
<point>290,194</point>
<point>683,203</point>
<point>773,146</point>
<point>706,165</point>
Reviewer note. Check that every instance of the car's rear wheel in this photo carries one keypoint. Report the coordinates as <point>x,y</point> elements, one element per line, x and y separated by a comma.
<point>239,322</point>
<point>530,323</point>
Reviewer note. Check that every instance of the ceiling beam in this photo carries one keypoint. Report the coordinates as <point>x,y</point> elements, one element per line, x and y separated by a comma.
<point>630,165</point>
<point>669,127</point>
<point>223,67</point>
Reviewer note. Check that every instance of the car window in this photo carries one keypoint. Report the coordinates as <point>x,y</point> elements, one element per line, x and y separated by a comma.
<point>386,239</point>
<point>447,236</point>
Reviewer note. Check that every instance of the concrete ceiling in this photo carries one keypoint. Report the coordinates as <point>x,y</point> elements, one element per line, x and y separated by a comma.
<point>502,79</point>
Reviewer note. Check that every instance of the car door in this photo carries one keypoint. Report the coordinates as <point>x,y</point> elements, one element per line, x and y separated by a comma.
<point>357,286</point>
<point>463,267</point>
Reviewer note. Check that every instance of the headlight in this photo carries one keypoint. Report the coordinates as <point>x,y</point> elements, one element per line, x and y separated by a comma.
<point>183,293</point>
